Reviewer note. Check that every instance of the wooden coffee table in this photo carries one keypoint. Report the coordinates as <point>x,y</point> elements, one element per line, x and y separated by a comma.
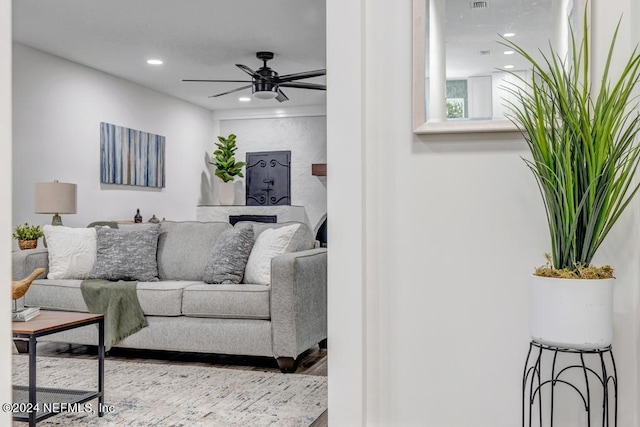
<point>37,403</point>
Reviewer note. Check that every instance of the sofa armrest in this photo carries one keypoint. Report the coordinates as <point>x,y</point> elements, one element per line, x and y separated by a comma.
<point>298,301</point>
<point>25,261</point>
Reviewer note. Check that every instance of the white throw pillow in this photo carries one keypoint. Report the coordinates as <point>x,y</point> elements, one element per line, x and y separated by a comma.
<point>72,251</point>
<point>270,243</point>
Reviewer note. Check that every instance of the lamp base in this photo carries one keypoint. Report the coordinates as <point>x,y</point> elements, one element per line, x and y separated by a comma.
<point>57,220</point>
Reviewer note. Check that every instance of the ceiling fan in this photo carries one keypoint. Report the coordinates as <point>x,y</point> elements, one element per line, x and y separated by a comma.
<point>266,83</point>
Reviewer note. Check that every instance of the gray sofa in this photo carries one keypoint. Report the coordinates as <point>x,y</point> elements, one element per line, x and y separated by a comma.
<point>280,320</point>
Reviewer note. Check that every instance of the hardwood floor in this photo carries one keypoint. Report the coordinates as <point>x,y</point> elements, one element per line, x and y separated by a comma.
<point>312,362</point>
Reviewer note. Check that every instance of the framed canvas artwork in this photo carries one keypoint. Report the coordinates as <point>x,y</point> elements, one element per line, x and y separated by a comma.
<point>131,157</point>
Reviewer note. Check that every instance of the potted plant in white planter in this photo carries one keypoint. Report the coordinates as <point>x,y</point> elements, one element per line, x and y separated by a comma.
<point>584,157</point>
<point>227,168</point>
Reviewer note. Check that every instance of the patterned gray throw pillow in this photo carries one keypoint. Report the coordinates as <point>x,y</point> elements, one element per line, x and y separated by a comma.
<point>229,256</point>
<point>127,254</point>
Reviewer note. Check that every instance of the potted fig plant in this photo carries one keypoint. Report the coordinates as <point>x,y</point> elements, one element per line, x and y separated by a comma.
<point>584,157</point>
<point>27,235</point>
<point>227,168</point>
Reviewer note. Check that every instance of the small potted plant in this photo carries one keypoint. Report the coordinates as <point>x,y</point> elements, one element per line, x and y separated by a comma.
<point>227,168</point>
<point>584,157</point>
<point>27,235</point>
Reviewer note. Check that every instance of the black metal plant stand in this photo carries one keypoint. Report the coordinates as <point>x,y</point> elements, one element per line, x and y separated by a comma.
<point>535,381</point>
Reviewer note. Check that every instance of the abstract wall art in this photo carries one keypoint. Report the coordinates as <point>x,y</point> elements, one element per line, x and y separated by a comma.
<point>131,157</point>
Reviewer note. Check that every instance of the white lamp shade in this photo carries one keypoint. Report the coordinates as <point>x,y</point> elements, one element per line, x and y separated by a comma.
<point>55,198</point>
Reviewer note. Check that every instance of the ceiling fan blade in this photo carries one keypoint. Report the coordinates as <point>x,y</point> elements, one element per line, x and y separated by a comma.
<point>250,71</point>
<point>300,76</point>
<point>304,86</point>
<point>231,91</point>
<point>281,96</point>
<point>231,81</point>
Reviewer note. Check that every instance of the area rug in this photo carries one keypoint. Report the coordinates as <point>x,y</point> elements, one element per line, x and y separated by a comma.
<point>161,394</point>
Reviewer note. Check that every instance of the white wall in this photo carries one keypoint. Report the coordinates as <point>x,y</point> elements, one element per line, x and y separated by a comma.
<point>454,228</point>
<point>305,137</point>
<point>349,359</point>
<point>5,212</point>
<point>479,90</point>
<point>57,109</point>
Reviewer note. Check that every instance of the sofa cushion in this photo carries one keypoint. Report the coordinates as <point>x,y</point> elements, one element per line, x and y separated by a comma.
<point>162,298</point>
<point>156,298</point>
<point>236,301</point>
<point>270,243</point>
<point>126,254</point>
<point>301,240</point>
<point>72,251</point>
<point>184,248</point>
<point>229,256</point>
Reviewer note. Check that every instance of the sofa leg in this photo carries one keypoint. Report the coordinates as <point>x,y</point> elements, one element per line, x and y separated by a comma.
<point>22,346</point>
<point>323,343</point>
<point>287,365</point>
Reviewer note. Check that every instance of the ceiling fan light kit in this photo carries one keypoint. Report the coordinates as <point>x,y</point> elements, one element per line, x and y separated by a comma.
<point>265,82</point>
<point>265,91</point>
<point>263,94</point>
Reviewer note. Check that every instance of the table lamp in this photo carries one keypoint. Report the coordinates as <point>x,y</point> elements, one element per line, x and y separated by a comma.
<point>55,198</point>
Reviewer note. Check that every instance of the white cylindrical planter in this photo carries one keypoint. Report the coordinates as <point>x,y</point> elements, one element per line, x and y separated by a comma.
<point>571,313</point>
<point>226,193</point>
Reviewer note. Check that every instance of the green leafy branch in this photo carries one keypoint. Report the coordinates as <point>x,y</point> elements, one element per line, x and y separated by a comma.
<point>226,166</point>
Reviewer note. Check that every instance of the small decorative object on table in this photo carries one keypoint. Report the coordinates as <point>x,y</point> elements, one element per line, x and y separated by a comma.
<point>25,314</point>
<point>137,218</point>
<point>27,235</point>
<point>20,287</point>
<point>154,219</point>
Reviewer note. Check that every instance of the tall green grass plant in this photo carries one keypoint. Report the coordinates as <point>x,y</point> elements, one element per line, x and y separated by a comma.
<point>583,144</point>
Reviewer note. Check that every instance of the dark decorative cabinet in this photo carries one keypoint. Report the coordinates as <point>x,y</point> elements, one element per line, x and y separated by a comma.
<point>268,178</point>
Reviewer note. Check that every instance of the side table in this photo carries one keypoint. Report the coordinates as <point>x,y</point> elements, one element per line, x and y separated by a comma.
<point>591,367</point>
<point>46,323</point>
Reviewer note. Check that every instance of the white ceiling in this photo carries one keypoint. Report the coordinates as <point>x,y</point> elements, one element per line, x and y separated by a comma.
<point>204,39</point>
<point>470,31</point>
<point>196,39</point>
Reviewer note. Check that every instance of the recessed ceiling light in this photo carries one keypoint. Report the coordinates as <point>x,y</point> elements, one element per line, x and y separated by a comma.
<point>155,62</point>
<point>508,67</point>
<point>509,52</point>
<point>244,99</point>
<point>507,35</point>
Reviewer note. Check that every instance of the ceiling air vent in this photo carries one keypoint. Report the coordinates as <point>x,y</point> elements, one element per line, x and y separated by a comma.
<point>484,52</point>
<point>478,5</point>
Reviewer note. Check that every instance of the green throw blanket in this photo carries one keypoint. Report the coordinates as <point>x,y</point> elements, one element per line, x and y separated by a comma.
<point>119,303</point>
